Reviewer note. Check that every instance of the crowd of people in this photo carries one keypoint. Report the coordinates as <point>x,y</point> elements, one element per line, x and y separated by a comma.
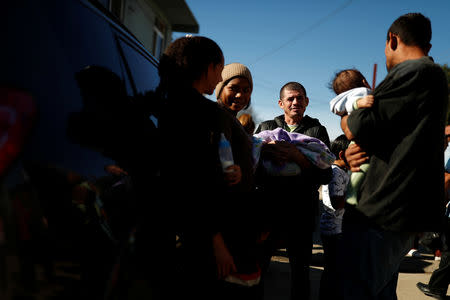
<point>227,226</point>
<point>371,217</point>
<point>234,192</point>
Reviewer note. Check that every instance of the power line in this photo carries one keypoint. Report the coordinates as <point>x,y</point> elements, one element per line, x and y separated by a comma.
<point>270,88</point>
<point>310,28</point>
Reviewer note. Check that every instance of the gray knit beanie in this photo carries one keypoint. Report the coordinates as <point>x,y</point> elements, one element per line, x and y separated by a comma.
<point>231,71</point>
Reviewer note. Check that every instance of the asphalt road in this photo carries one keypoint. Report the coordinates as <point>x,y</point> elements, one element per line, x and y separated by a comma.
<point>412,270</point>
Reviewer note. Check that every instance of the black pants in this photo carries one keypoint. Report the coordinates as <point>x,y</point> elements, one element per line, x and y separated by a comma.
<point>440,279</point>
<point>298,243</point>
<point>299,248</point>
<point>328,281</point>
<point>291,225</point>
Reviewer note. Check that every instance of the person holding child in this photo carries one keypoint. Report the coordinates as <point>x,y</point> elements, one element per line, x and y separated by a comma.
<point>292,227</point>
<point>406,120</point>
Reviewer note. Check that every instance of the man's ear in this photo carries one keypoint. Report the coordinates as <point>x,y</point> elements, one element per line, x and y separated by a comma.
<point>280,103</point>
<point>393,41</point>
<point>307,101</point>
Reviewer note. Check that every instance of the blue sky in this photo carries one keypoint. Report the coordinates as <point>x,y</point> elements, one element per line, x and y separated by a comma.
<point>308,41</point>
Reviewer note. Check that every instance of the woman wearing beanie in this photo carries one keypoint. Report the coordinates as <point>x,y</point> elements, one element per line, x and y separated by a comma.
<point>233,94</point>
<point>234,91</point>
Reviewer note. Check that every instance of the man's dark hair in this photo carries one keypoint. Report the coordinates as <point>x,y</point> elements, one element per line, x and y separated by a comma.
<point>292,86</point>
<point>346,80</point>
<point>186,59</point>
<point>414,29</point>
<point>339,144</point>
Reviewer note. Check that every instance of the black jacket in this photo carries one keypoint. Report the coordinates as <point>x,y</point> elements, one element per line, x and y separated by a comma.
<point>403,189</point>
<point>192,178</point>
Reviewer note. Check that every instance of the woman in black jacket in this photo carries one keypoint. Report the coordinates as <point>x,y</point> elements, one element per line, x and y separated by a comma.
<point>209,207</point>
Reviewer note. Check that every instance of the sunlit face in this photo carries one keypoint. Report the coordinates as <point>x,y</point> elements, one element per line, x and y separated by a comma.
<point>214,76</point>
<point>236,94</point>
<point>293,103</point>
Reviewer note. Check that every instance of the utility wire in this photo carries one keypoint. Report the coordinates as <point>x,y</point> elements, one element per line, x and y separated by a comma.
<point>310,28</point>
<point>270,88</point>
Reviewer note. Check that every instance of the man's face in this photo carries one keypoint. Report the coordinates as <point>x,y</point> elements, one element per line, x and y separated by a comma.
<point>236,94</point>
<point>293,103</point>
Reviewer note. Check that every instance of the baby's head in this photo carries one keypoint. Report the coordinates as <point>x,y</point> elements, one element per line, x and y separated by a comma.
<point>348,79</point>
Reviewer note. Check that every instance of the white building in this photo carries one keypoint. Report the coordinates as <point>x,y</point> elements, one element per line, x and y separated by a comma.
<point>153,21</point>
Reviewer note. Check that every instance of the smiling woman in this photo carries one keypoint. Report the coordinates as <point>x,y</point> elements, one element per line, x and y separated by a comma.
<point>235,89</point>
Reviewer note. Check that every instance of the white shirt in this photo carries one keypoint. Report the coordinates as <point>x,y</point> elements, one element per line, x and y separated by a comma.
<point>331,219</point>
<point>447,159</point>
<point>343,103</point>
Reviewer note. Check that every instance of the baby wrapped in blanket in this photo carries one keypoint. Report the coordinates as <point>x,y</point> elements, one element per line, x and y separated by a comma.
<point>314,150</point>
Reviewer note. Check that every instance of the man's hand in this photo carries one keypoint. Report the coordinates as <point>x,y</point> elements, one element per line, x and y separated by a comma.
<point>233,175</point>
<point>355,156</point>
<point>282,152</point>
<point>275,152</point>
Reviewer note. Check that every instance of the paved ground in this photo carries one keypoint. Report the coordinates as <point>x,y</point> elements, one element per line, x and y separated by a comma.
<point>412,271</point>
<point>277,286</point>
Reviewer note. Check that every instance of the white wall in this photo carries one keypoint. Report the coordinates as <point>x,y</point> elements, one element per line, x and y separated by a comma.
<point>139,17</point>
